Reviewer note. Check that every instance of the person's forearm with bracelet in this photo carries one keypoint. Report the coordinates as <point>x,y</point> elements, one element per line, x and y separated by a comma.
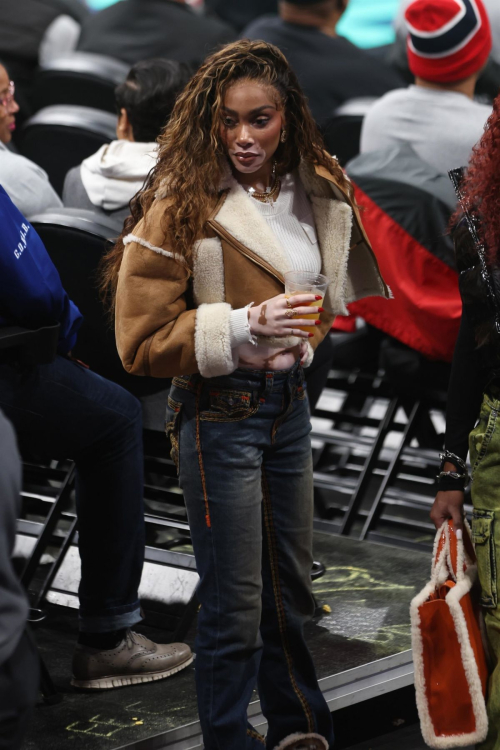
<point>464,400</point>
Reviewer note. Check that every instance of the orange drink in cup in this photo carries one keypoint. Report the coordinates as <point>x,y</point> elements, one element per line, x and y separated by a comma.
<point>306,282</point>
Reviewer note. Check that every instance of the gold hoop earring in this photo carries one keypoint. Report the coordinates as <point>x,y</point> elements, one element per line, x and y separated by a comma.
<point>283,136</point>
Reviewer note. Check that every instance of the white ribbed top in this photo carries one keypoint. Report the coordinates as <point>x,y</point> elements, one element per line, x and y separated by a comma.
<point>291,219</point>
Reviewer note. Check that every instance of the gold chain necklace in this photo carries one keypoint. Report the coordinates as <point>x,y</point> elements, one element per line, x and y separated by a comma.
<point>271,191</point>
<point>268,196</point>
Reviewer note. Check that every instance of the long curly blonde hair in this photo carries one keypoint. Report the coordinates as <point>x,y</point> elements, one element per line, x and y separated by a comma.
<point>192,158</point>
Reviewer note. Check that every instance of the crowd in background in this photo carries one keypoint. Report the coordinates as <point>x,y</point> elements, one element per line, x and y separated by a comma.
<point>331,71</point>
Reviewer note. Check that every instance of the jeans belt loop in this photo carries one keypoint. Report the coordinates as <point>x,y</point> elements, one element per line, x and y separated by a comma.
<point>269,383</point>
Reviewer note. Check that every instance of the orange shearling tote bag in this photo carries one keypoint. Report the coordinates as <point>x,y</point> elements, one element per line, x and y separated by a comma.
<point>451,670</point>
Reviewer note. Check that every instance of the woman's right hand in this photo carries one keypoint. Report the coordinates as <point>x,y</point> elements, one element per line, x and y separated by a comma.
<point>448,504</point>
<point>271,319</point>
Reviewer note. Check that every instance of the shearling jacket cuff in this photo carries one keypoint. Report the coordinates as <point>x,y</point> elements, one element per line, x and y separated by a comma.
<point>212,340</point>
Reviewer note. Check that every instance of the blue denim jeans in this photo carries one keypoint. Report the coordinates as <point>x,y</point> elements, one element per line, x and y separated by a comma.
<point>63,410</point>
<point>243,451</point>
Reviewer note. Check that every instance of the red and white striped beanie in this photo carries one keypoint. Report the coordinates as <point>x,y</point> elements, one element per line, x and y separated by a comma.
<point>448,40</point>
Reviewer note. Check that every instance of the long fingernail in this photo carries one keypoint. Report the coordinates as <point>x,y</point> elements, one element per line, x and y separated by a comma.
<point>320,309</point>
<point>318,296</point>
<point>310,335</point>
<point>317,322</point>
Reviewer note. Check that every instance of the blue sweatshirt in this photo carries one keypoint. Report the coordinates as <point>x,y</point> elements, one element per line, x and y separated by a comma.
<point>31,293</point>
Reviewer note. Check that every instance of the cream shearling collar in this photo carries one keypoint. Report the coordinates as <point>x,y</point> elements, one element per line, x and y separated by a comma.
<point>239,217</point>
<point>347,259</point>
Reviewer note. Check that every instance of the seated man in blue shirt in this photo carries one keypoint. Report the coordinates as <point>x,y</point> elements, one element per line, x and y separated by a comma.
<point>65,410</point>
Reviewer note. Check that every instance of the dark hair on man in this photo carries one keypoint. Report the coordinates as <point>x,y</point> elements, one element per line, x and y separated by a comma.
<point>318,5</point>
<point>149,93</point>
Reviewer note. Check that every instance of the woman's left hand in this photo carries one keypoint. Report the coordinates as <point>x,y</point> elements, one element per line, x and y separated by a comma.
<point>282,316</point>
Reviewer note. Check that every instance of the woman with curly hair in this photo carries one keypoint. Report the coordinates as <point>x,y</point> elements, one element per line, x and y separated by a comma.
<point>472,418</point>
<point>243,192</point>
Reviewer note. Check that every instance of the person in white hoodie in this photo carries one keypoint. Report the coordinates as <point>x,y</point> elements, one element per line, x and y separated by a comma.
<point>107,181</point>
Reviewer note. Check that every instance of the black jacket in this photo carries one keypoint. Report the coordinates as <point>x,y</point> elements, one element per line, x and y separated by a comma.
<point>240,14</point>
<point>480,291</point>
<point>479,283</point>
<point>24,23</point>
<point>134,30</point>
<point>330,70</point>
<point>476,361</point>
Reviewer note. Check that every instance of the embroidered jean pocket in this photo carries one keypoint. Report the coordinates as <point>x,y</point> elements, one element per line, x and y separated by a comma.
<point>184,382</point>
<point>229,406</point>
<point>172,429</point>
<point>484,543</point>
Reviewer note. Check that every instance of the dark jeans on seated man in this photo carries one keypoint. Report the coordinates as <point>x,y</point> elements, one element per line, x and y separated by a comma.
<point>62,410</point>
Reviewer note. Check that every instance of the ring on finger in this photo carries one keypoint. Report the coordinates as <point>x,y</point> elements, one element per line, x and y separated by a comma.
<point>290,313</point>
<point>288,303</point>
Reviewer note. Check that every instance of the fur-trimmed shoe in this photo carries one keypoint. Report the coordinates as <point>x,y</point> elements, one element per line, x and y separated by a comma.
<point>301,741</point>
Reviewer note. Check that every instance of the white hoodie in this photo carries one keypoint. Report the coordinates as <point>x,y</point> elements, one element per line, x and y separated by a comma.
<point>115,173</point>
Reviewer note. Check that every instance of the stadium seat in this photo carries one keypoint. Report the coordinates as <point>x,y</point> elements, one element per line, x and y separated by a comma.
<point>76,240</point>
<point>80,78</point>
<point>406,210</point>
<point>342,132</point>
<point>60,137</point>
<point>29,347</point>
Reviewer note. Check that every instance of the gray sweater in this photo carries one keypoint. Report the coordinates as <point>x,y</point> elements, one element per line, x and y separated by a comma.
<point>26,184</point>
<point>13,603</point>
<point>441,126</point>
<point>75,196</point>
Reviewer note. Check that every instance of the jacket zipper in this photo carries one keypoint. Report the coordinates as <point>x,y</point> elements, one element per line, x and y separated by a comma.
<point>224,234</point>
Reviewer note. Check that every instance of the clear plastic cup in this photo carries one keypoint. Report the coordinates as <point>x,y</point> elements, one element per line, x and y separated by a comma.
<point>305,282</point>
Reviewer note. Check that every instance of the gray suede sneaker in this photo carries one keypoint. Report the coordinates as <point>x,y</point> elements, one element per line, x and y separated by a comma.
<point>136,659</point>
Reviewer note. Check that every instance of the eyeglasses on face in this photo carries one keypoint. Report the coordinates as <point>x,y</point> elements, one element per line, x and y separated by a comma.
<point>7,99</point>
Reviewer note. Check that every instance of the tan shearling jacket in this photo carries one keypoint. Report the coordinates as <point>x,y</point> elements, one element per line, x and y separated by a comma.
<point>172,320</point>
